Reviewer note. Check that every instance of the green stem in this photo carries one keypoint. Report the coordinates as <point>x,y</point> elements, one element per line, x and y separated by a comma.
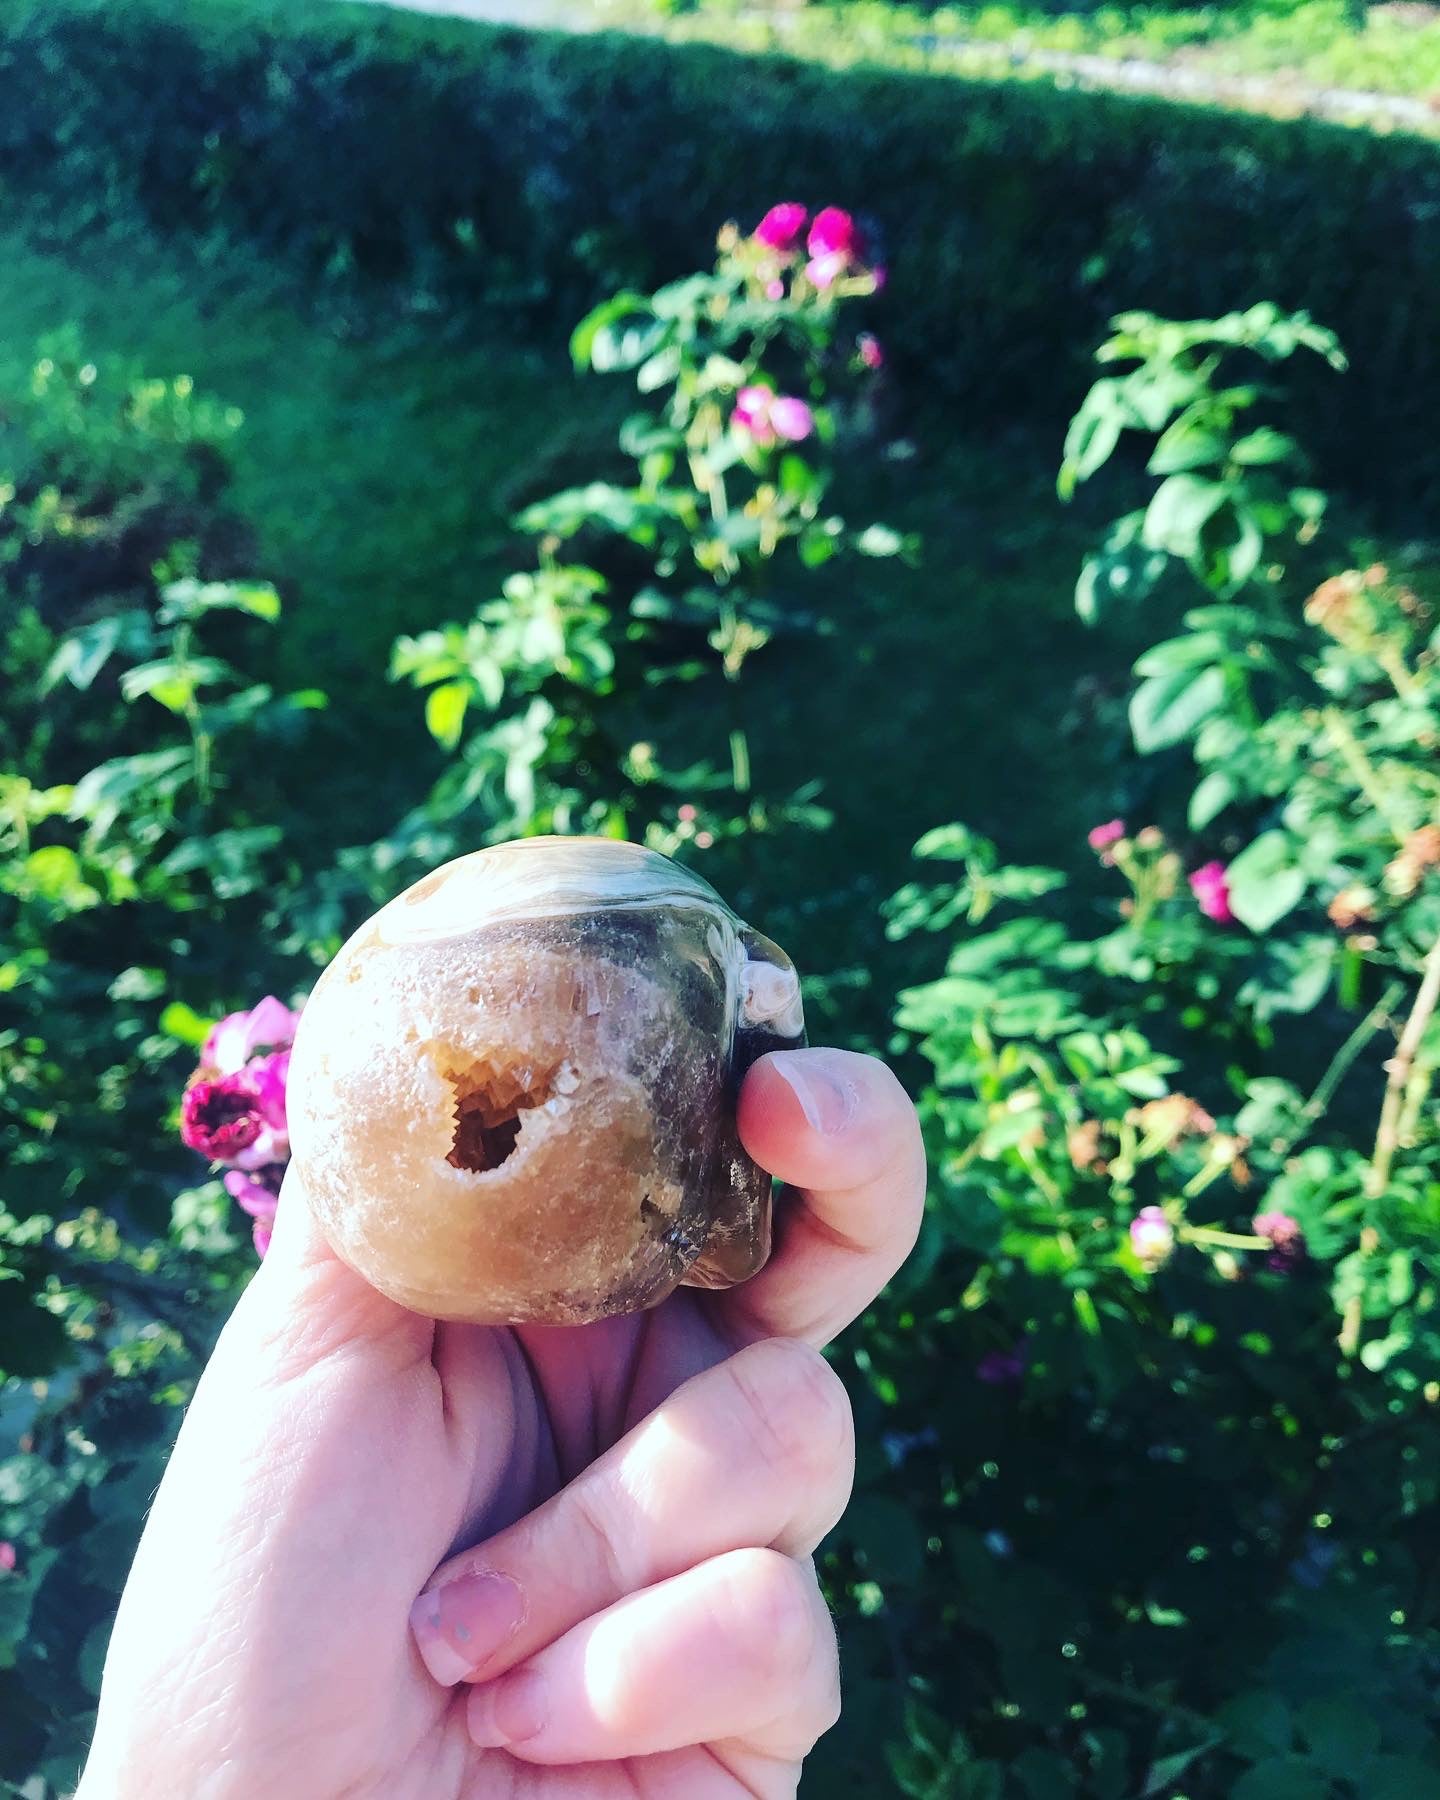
<point>1223,1240</point>
<point>1340,1065</point>
<point>200,743</point>
<point>1362,769</point>
<point>1387,1135</point>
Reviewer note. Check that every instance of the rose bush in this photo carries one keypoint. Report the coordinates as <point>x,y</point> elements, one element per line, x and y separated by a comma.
<point>1187,1177</point>
<point>1148,1478</point>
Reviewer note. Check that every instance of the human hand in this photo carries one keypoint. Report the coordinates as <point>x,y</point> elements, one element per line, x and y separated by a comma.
<point>611,1524</point>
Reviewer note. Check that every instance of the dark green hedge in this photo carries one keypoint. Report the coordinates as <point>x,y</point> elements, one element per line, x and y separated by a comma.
<point>1018,217</point>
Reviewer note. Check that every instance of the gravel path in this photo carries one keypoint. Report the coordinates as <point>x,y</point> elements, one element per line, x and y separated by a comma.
<point>1263,93</point>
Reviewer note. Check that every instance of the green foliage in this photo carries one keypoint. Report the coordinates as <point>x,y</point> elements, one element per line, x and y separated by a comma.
<point>1183,1255</point>
<point>719,519</point>
<point>183,872</point>
<point>134,889</point>
<point>1031,216</point>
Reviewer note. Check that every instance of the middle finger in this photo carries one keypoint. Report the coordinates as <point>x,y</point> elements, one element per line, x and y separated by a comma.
<point>757,1452</point>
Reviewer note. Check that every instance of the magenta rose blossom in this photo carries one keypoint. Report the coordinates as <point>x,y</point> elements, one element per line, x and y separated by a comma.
<point>8,1558</point>
<point>220,1118</point>
<point>1152,1236</point>
<point>1287,1240</point>
<point>258,1195</point>
<point>233,1110</point>
<point>792,419</point>
<point>872,352</point>
<point>1212,892</point>
<point>834,233</point>
<point>241,1035</point>
<point>765,416</point>
<point>782,226</point>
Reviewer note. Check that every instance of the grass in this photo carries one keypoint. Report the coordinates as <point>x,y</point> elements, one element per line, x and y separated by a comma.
<point>1385,50</point>
<point>380,458</point>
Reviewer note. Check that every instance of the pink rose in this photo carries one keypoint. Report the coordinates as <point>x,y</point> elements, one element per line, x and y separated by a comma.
<point>1101,837</point>
<point>220,1118</point>
<point>765,416</point>
<point>834,233</point>
<point>824,271</point>
<point>8,1558</point>
<point>1212,892</point>
<point>241,1035</point>
<point>775,290</point>
<point>1287,1240</point>
<point>1152,1236</point>
<point>259,1195</point>
<point>871,351</point>
<point>752,413</point>
<point>239,1119</point>
<point>256,1193</point>
<point>791,418</point>
<point>781,228</point>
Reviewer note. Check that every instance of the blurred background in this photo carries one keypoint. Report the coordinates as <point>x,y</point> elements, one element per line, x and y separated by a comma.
<point>424,427</point>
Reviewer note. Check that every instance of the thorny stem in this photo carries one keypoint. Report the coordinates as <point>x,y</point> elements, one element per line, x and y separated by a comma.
<point>1393,663</point>
<point>1340,1064</point>
<point>1363,770</point>
<point>1387,1136</point>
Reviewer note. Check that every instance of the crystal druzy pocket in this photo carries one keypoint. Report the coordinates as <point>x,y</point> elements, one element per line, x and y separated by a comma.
<point>512,1095</point>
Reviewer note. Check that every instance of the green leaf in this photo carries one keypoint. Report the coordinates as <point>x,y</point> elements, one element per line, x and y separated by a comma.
<point>1179,511</point>
<point>1263,446</point>
<point>1169,708</point>
<point>1185,445</point>
<point>445,708</point>
<point>1167,1769</point>
<point>954,843</point>
<point>184,1024</point>
<point>83,653</point>
<point>90,1661</point>
<point>172,684</point>
<point>1257,1724</point>
<point>596,343</point>
<point>879,540</point>
<point>1281,1778</point>
<point>1401,1778</point>
<point>1264,881</point>
<point>1210,799</point>
<point>1043,1775</point>
<point>1340,1734</point>
<point>1093,434</point>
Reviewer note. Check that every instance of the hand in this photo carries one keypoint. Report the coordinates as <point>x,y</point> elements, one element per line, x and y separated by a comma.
<point>609,1528</point>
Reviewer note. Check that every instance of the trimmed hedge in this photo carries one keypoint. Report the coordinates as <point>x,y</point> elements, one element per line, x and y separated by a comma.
<point>476,159</point>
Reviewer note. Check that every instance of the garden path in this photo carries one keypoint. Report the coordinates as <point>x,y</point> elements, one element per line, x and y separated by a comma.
<point>1260,93</point>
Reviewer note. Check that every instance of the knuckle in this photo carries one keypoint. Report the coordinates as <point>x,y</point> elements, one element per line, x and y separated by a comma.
<point>797,1412</point>
<point>595,1516</point>
<point>777,1610</point>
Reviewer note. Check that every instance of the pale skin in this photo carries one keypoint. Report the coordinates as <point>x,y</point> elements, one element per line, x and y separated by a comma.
<point>418,1562</point>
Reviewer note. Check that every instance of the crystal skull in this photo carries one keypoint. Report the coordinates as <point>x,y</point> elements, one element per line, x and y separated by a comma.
<point>512,1093</point>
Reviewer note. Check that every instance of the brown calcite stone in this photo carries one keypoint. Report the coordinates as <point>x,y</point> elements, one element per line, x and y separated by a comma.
<point>512,1094</point>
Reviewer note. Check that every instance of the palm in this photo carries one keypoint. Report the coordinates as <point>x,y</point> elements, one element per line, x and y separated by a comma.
<point>340,1449</point>
<point>561,1397</point>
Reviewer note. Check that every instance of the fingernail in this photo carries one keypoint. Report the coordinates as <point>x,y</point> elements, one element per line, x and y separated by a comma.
<point>817,1078</point>
<point>459,1626</point>
<point>511,1710</point>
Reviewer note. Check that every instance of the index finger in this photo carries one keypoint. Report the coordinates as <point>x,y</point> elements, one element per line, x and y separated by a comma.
<point>841,1132</point>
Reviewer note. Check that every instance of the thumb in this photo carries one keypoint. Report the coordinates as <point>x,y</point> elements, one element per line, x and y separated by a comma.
<point>304,1305</point>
